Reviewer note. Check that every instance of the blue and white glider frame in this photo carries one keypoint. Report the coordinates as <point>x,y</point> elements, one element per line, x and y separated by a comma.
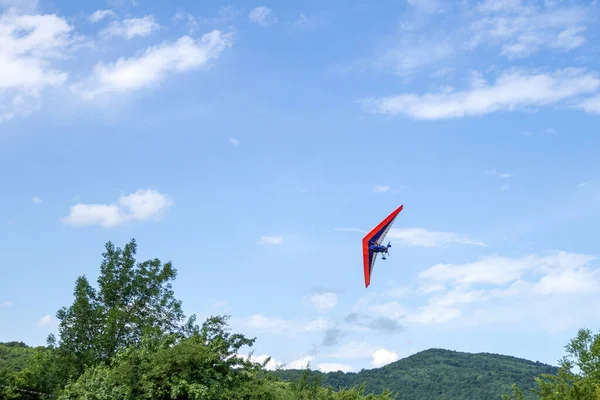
<point>376,236</point>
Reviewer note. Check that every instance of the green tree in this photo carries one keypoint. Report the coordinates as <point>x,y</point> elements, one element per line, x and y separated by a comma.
<point>133,300</point>
<point>583,353</point>
<point>205,365</point>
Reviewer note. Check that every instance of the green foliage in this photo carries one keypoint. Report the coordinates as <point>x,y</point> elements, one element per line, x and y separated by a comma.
<point>440,374</point>
<point>133,300</point>
<point>15,355</point>
<point>308,386</point>
<point>583,352</point>
<point>42,374</point>
<point>202,366</point>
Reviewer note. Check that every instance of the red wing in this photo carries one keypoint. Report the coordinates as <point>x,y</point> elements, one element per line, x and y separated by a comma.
<point>376,235</point>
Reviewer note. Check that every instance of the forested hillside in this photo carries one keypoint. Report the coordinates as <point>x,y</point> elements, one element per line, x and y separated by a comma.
<point>442,374</point>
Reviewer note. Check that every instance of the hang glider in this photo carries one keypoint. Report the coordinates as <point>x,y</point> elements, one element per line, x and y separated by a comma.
<point>372,244</point>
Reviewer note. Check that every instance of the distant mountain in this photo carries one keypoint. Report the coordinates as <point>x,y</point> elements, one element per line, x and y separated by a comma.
<point>441,374</point>
<point>429,375</point>
<point>14,355</point>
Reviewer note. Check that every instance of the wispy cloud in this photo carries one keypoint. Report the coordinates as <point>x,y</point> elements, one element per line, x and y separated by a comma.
<point>323,299</point>
<point>234,141</point>
<point>512,90</point>
<point>424,238</point>
<point>498,174</point>
<point>383,357</point>
<point>6,303</point>
<point>334,367</point>
<point>46,320</point>
<point>501,270</point>
<point>131,27</point>
<point>497,290</point>
<point>521,30</point>
<point>190,21</point>
<point>143,205</point>
<point>99,15</point>
<point>151,66</point>
<point>381,188</point>
<point>513,28</point>
<point>591,105</point>
<point>279,325</point>
<point>32,46</point>
<point>263,16</point>
<point>270,240</point>
<point>36,200</point>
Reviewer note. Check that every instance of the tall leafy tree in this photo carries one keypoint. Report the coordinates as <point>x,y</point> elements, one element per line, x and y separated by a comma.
<point>133,300</point>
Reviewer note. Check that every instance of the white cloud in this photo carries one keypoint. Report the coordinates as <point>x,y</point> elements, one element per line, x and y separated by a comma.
<point>443,72</point>
<point>144,204</point>
<point>511,91</point>
<point>191,21</point>
<point>491,289</point>
<point>306,22</point>
<point>272,364</point>
<point>392,309</point>
<point>511,28</point>
<point>522,30</point>
<point>501,270</point>
<point>290,326</point>
<point>6,303</point>
<point>263,16</point>
<point>569,38</point>
<point>131,27</point>
<point>433,314</point>
<point>37,200</point>
<point>30,45</point>
<point>299,363</point>
<point>99,15</point>
<point>151,66</point>
<point>317,325</point>
<point>424,238</point>
<point>324,301</point>
<point>499,174</point>
<point>334,367</point>
<point>234,141</point>
<point>272,240</point>
<point>413,50</point>
<point>579,281</point>
<point>381,188</point>
<point>270,324</point>
<point>46,320</point>
<point>591,105</point>
<point>383,357</point>
<point>352,349</point>
<point>504,187</point>
<point>23,6</point>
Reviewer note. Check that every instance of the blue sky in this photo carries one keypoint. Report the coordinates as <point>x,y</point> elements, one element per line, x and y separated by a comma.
<point>252,144</point>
